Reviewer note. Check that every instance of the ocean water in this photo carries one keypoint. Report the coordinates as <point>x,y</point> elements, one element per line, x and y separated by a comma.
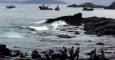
<point>23,28</point>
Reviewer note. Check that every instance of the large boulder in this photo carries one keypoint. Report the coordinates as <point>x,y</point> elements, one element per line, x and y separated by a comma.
<point>99,26</point>
<point>4,51</point>
<point>71,20</point>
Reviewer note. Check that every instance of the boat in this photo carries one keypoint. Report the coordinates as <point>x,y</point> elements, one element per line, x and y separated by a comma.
<point>57,8</point>
<point>10,7</point>
<point>88,9</point>
<point>43,7</point>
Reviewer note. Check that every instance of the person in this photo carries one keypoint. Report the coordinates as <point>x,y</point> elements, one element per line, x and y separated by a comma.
<point>92,54</point>
<point>35,55</point>
<point>72,53</point>
<point>62,55</point>
<point>102,57</point>
<point>51,52</point>
<point>65,52</point>
<point>77,53</point>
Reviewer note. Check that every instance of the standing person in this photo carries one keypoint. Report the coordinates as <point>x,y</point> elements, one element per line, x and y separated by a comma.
<point>77,53</point>
<point>72,53</point>
<point>65,52</point>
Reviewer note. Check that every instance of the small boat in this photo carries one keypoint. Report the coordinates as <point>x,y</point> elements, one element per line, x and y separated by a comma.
<point>43,7</point>
<point>57,8</point>
<point>10,7</point>
<point>88,9</point>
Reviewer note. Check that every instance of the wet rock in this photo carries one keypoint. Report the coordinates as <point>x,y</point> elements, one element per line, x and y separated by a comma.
<point>77,32</point>
<point>64,36</point>
<point>23,59</point>
<point>71,20</point>
<point>4,51</point>
<point>15,53</point>
<point>100,43</point>
<point>89,41</point>
<point>75,43</point>
<point>92,25</point>
<point>55,56</point>
<point>99,26</point>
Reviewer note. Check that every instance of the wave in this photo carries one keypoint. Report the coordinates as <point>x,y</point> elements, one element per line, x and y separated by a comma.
<point>43,26</point>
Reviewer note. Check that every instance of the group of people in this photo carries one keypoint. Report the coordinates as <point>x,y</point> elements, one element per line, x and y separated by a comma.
<point>64,53</point>
<point>95,56</point>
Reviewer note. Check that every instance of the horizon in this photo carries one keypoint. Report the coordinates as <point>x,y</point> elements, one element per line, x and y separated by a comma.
<point>97,2</point>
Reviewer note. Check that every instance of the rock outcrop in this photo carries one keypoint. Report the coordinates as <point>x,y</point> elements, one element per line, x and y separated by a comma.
<point>73,5</point>
<point>71,20</point>
<point>99,26</point>
<point>112,6</point>
<point>4,51</point>
<point>87,5</point>
<point>92,25</point>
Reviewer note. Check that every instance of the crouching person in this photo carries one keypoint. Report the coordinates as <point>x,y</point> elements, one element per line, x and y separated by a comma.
<point>35,55</point>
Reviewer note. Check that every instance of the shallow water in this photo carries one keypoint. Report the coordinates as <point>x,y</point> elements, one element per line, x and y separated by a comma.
<point>23,28</point>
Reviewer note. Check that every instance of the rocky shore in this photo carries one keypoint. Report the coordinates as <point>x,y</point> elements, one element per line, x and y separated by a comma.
<point>112,6</point>
<point>64,54</point>
<point>86,5</point>
<point>92,25</point>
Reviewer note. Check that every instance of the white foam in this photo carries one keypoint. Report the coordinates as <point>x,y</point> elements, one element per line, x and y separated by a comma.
<point>57,23</point>
<point>38,28</point>
<point>42,26</point>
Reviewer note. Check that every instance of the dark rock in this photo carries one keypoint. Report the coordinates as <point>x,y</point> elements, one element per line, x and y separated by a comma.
<point>112,6</point>
<point>73,5</point>
<point>55,56</point>
<point>23,59</point>
<point>75,43</point>
<point>100,43</point>
<point>71,20</point>
<point>64,36</point>
<point>87,5</point>
<point>92,25</point>
<point>2,46</point>
<point>77,32</point>
<point>99,26</point>
<point>15,53</point>
<point>4,51</point>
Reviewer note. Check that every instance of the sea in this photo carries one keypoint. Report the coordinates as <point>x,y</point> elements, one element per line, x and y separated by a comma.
<point>23,28</point>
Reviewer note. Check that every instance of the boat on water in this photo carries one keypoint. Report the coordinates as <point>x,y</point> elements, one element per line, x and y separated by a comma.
<point>43,7</point>
<point>88,9</point>
<point>57,8</point>
<point>10,6</point>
